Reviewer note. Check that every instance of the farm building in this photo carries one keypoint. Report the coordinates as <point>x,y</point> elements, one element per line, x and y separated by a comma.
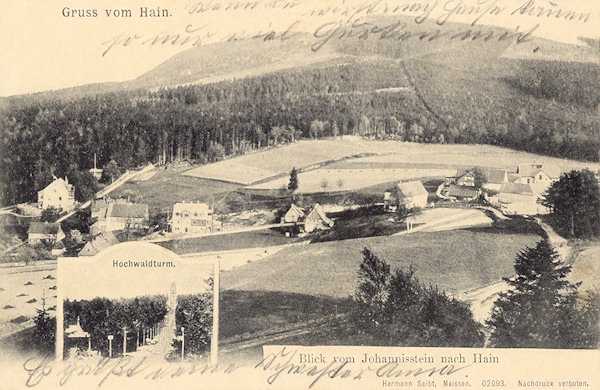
<point>98,243</point>
<point>317,220</point>
<point>99,207</point>
<point>294,214</point>
<point>494,178</point>
<point>192,218</point>
<point>120,216</point>
<point>58,194</point>
<point>409,194</point>
<point>518,198</point>
<point>463,177</point>
<point>459,192</point>
<point>537,173</point>
<point>44,232</point>
<point>466,177</point>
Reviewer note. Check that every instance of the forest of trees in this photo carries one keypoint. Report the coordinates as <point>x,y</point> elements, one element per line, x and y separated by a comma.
<point>42,136</point>
<point>101,317</point>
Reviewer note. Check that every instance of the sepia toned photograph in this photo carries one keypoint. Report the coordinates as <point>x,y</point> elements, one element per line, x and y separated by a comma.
<point>289,189</point>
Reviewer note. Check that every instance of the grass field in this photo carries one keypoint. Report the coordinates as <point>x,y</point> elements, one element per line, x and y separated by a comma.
<point>169,186</point>
<point>259,166</point>
<point>328,180</point>
<point>454,261</point>
<point>254,239</point>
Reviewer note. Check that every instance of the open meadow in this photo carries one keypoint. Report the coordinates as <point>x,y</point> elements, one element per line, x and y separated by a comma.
<point>390,155</point>
<point>453,260</point>
<point>168,186</point>
<point>329,180</point>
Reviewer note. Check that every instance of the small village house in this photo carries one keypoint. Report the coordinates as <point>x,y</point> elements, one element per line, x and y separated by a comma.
<point>192,218</point>
<point>121,216</point>
<point>99,207</point>
<point>293,215</point>
<point>494,178</point>
<point>463,193</point>
<point>44,232</point>
<point>98,243</point>
<point>518,199</point>
<point>537,173</point>
<point>463,177</point>
<point>58,194</point>
<point>406,194</point>
<point>317,220</point>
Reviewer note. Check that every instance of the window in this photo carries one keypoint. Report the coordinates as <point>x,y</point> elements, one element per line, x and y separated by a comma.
<point>540,177</point>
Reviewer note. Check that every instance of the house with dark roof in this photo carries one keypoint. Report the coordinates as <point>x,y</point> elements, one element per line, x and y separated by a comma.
<point>120,216</point>
<point>408,194</point>
<point>98,243</point>
<point>494,177</point>
<point>44,232</point>
<point>317,220</point>
<point>458,192</point>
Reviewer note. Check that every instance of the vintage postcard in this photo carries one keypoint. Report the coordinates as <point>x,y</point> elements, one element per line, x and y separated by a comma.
<point>300,194</point>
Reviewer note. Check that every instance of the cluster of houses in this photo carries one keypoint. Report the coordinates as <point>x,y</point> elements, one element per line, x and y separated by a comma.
<point>315,219</point>
<point>517,192</point>
<point>514,193</point>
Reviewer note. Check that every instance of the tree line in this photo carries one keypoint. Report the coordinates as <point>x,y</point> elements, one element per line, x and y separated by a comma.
<point>378,99</point>
<point>541,308</point>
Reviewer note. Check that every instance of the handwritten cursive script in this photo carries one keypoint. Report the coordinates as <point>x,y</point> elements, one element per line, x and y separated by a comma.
<point>284,363</point>
<point>101,369</point>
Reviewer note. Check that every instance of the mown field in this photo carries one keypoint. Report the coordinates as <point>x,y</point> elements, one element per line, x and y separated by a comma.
<point>328,180</point>
<point>454,261</point>
<point>260,166</point>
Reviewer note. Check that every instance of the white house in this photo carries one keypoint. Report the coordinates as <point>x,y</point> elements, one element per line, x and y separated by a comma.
<point>518,199</point>
<point>58,194</point>
<point>192,218</point>
<point>294,214</point>
<point>317,219</point>
<point>409,194</point>
<point>537,173</point>
<point>40,232</point>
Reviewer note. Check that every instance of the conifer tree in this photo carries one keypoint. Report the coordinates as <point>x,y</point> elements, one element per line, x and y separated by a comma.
<point>539,311</point>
